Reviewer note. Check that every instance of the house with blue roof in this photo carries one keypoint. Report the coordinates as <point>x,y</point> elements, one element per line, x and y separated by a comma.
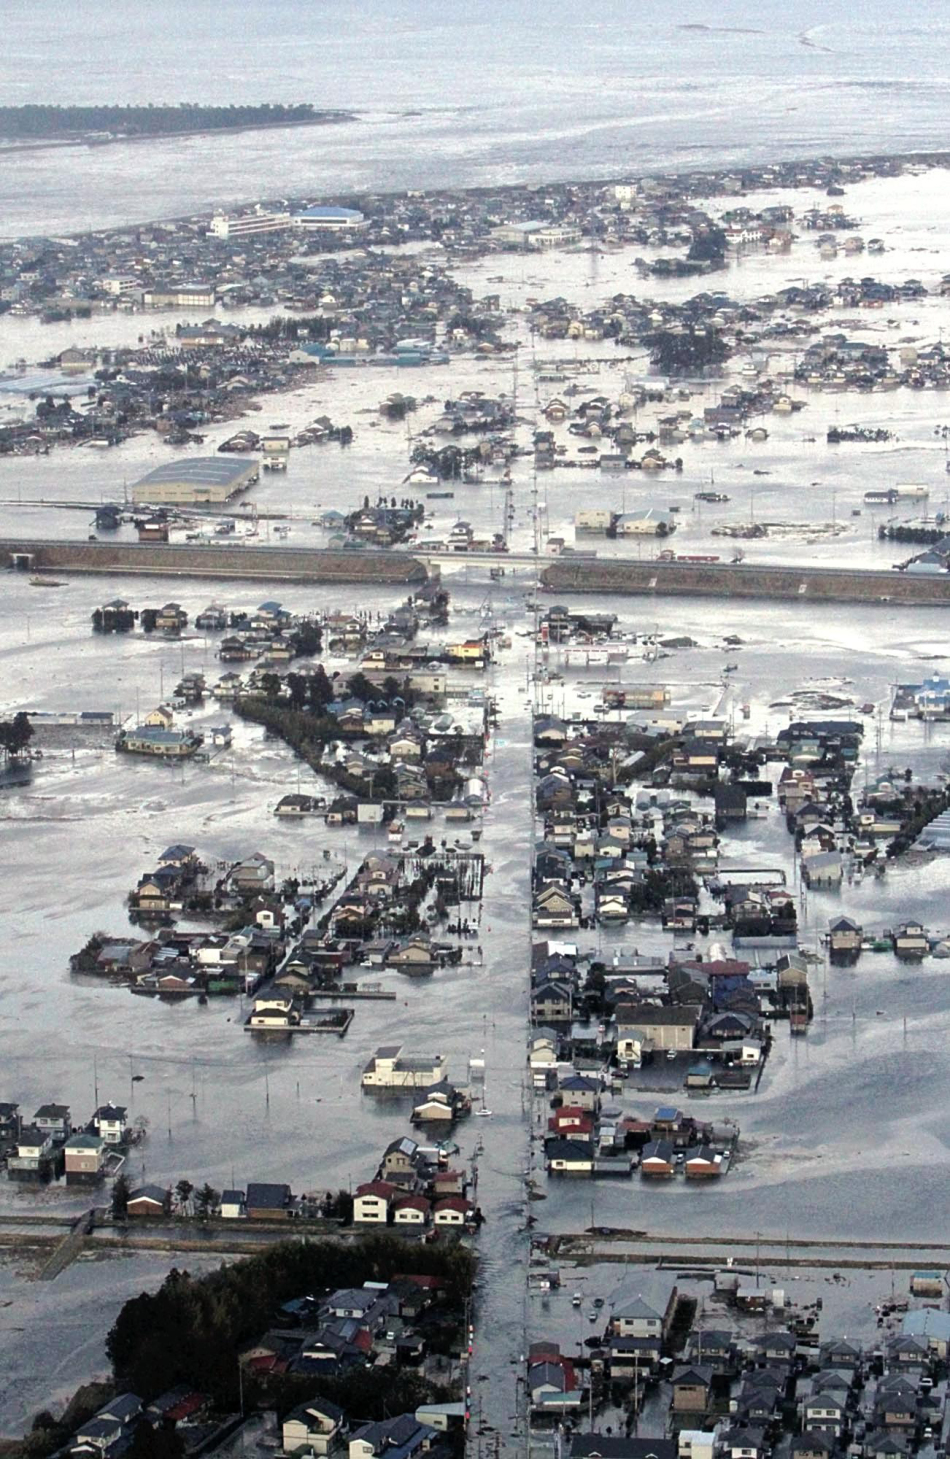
<point>927,1322</point>
<point>401,1437</point>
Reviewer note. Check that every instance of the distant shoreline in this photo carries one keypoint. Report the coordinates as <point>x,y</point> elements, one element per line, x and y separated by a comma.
<point>703,179</point>
<point>91,139</point>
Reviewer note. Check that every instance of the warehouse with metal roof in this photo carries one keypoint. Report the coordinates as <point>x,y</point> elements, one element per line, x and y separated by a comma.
<point>936,835</point>
<point>201,481</point>
<point>328,217</point>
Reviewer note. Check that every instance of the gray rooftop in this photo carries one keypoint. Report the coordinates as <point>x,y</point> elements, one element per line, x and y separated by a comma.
<point>200,471</point>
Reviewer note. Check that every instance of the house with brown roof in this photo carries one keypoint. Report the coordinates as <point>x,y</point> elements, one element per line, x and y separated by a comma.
<point>670,1028</point>
<point>148,1200</point>
<point>451,1211</point>
<point>372,1202</point>
<point>411,1210</point>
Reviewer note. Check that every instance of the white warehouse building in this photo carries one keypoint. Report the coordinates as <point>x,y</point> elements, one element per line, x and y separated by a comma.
<point>329,217</point>
<point>202,481</point>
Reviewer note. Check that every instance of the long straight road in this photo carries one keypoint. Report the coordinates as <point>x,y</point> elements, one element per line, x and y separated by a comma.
<point>501,1310</point>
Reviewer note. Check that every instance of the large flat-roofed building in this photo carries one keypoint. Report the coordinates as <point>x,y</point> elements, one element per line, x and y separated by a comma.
<point>180,296</point>
<point>536,234</point>
<point>244,225</point>
<point>328,217</point>
<point>151,739</point>
<point>203,480</point>
<point>121,285</point>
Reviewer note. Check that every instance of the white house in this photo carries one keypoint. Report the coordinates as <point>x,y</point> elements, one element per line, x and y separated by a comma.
<point>697,1443</point>
<point>648,522</point>
<point>372,1202</point>
<point>636,1318</point>
<point>110,1122</point>
<point>313,1427</point>
<point>410,1211</point>
<point>389,1068</point>
<point>233,1206</point>
<point>451,1211</point>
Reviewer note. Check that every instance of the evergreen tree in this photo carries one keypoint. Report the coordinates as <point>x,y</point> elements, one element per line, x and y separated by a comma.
<point>120,1198</point>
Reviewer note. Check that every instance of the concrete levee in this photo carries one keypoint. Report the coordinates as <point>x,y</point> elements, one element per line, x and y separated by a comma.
<point>741,580</point>
<point>288,564</point>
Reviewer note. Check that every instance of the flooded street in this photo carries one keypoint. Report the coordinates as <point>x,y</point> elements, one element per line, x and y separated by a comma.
<point>848,1135</point>
<point>863,1097</point>
<point>220,1103</point>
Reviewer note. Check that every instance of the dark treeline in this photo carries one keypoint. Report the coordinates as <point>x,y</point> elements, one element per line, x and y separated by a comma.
<point>687,350</point>
<point>28,123</point>
<point>192,1329</point>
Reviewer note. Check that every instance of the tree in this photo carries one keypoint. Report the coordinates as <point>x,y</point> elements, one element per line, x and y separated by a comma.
<point>382,781</point>
<point>22,732</point>
<point>270,685</point>
<point>681,350</point>
<point>320,692</point>
<point>120,1198</point>
<point>183,1192</point>
<point>307,639</point>
<point>338,1207</point>
<point>15,734</point>
<point>297,689</point>
<point>160,1442</point>
<point>207,1201</point>
<point>361,688</point>
<point>708,246</point>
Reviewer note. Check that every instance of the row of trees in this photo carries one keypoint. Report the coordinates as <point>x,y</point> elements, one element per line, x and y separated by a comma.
<point>26,123</point>
<point>316,327</point>
<point>449,463</point>
<point>927,803</point>
<point>314,692</point>
<point>307,735</point>
<point>658,885</point>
